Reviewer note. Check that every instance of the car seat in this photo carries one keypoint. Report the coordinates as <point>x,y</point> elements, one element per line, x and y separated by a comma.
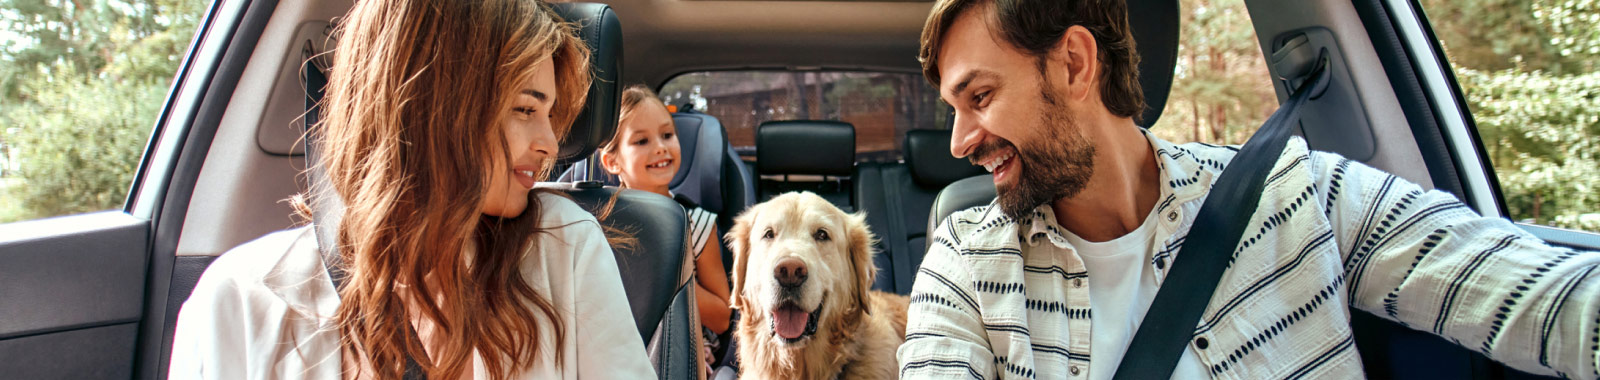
<point>821,152</point>
<point>896,198</point>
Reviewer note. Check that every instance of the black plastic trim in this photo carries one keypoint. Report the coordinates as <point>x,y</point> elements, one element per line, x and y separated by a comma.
<point>62,356</point>
<point>180,77</point>
<point>155,340</point>
<point>1459,98</point>
<point>1425,129</point>
<point>84,271</point>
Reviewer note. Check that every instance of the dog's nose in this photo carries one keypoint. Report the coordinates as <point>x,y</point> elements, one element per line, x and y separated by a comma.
<point>791,272</point>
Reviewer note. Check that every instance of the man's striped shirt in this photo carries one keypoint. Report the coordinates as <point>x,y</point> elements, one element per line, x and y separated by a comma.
<point>994,297</point>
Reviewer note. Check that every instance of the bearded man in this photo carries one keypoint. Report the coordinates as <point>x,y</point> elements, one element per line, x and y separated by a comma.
<point>1052,279</point>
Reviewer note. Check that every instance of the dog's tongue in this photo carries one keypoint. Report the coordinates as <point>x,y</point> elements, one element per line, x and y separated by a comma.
<point>791,321</point>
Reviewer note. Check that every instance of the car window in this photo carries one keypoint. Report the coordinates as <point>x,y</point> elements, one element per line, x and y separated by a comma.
<point>1221,89</point>
<point>1527,69</point>
<point>80,89</point>
<point>882,106</point>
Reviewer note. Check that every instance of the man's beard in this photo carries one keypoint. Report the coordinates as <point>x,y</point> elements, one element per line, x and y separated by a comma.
<point>1055,165</point>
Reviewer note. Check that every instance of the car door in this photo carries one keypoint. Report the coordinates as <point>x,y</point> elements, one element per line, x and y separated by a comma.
<point>86,296</point>
<point>1421,128</point>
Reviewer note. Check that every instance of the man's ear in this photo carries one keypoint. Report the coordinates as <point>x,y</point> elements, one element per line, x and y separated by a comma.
<point>861,243</point>
<point>1074,64</point>
<point>738,239</point>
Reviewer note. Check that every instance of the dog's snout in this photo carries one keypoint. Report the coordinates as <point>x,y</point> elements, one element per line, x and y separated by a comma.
<point>791,272</point>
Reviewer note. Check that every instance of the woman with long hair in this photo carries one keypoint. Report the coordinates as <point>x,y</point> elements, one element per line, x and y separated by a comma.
<point>439,117</point>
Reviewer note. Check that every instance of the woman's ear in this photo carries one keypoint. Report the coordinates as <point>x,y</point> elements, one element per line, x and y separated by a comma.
<point>861,243</point>
<point>738,239</point>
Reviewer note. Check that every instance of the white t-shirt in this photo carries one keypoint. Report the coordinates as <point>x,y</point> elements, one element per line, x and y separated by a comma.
<point>1121,288</point>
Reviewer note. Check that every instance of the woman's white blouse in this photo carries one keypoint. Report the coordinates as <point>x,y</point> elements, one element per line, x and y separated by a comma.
<point>262,310</point>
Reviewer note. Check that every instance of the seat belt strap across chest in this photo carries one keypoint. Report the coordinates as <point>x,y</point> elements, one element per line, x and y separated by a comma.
<point>1170,322</point>
<point>315,79</point>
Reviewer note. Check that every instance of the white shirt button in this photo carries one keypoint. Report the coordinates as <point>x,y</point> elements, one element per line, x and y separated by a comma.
<point>1074,370</point>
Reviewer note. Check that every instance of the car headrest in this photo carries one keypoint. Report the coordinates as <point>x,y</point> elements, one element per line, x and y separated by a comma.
<point>960,195</point>
<point>1155,36</point>
<point>599,28</point>
<point>816,147</point>
<point>928,156</point>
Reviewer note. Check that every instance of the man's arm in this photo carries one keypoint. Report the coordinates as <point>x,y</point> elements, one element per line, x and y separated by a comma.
<point>1426,260</point>
<point>944,330</point>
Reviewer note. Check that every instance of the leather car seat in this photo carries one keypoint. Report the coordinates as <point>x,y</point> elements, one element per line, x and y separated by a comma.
<point>823,150</point>
<point>896,197</point>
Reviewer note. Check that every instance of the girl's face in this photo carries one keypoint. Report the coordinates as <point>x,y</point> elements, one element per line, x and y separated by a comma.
<point>647,155</point>
<point>531,141</point>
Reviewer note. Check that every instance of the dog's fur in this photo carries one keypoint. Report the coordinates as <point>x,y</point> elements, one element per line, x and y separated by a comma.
<point>857,329</point>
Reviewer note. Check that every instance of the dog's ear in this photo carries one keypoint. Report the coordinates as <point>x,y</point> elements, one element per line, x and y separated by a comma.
<point>738,239</point>
<point>861,243</point>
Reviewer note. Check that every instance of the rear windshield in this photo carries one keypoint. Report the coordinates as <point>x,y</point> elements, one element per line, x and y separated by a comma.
<point>881,105</point>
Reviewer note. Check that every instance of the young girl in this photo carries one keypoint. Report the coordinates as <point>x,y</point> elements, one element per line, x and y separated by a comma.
<point>440,116</point>
<point>644,155</point>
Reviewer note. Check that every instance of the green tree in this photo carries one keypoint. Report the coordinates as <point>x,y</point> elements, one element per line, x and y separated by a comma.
<point>83,81</point>
<point>1221,91</point>
<point>1526,67</point>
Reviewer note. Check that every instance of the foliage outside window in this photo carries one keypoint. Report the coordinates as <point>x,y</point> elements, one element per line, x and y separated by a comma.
<point>1221,89</point>
<point>1527,68</point>
<point>81,85</point>
<point>881,106</point>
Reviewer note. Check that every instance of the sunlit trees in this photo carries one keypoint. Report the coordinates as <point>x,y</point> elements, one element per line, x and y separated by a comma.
<point>83,81</point>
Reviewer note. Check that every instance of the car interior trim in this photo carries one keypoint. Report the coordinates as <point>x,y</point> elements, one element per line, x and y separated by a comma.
<point>155,341</point>
<point>1477,189</point>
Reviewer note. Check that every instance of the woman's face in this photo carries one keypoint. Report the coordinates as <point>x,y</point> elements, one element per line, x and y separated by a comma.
<point>531,140</point>
<point>647,157</point>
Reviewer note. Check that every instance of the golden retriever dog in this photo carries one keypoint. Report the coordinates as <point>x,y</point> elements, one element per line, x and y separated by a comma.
<point>802,279</point>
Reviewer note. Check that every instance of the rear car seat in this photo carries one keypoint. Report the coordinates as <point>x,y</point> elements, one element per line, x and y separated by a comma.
<point>657,276</point>
<point>712,174</point>
<point>896,198</point>
<point>822,152</point>
<point>713,178</point>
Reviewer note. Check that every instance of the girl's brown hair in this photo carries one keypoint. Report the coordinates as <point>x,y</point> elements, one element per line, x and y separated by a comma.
<point>632,98</point>
<point>413,122</point>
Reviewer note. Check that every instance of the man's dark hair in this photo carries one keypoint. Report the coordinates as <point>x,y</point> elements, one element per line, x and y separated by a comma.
<point>1036,26</point>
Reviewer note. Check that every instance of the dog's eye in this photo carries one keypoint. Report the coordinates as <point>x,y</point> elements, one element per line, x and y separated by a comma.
<point>820,235</point>
<point>767,235</point>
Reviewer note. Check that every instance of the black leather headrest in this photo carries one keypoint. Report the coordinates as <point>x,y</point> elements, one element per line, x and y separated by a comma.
<point>816,147</point>
<point>928,156</point>
<point>960,195</point>
<point>1155,36</point>
<point>600,29</point>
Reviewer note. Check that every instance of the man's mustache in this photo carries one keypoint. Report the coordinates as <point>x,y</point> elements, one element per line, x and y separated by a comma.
<point>984,149</point>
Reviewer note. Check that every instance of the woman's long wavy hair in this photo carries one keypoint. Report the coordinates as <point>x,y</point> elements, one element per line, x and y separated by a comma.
<point>413,121</point>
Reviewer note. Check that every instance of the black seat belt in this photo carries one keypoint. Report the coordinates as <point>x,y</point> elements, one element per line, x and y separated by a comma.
<point>1171,320</point>
<point>315,79</point>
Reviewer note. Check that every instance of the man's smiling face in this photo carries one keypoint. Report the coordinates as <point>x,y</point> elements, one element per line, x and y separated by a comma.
<point>1010,117</point>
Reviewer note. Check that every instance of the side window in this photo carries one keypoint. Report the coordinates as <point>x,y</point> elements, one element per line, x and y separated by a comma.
<point>882,106</point>
<point>1528,71</point>
<point>80,89</point>
<point>1221,89</point>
